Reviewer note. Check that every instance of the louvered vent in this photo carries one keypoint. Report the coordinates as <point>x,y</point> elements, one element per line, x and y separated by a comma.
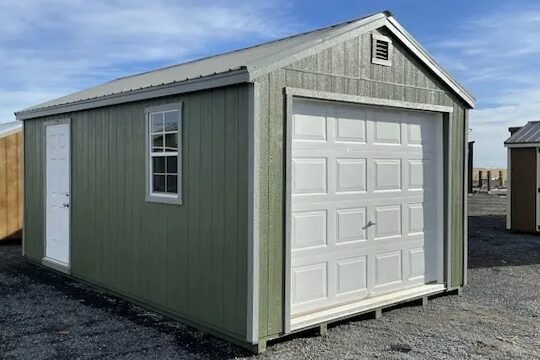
<point>382,50</point>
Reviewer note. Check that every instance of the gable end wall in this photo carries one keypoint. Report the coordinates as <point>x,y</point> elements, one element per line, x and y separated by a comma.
<point>344,68</point>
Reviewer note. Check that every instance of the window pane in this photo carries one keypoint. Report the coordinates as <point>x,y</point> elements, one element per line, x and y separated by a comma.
<point>172,184</point>
<point>171,142</point>
<point>159,183</point>
<point>172,164</point>
<point>158,165</point>
<point>171,121</point>
<point>156,121</point>
<point>157,141</point>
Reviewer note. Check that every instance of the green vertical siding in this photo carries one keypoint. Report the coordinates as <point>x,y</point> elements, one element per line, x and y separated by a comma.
<point>189,260</point>
<point>344,68</point>
<point>34,174</point>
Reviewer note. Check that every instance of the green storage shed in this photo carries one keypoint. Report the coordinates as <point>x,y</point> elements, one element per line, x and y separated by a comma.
<point>262,191</point>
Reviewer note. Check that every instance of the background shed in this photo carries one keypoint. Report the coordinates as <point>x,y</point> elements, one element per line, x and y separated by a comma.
<point>523,148</point>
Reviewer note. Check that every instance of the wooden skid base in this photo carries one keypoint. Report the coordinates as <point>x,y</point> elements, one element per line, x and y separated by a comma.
<point>374,313</point>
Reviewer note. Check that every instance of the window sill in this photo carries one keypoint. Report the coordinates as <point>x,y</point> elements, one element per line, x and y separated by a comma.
<point>164,199</point>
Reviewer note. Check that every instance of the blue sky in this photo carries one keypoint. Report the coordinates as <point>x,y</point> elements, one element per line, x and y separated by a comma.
<point>49,48</point>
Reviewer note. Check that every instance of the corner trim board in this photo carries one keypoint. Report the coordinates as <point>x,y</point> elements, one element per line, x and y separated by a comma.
<point>465,196</point>
<point>448,214</point>
<point>24,200</point>
<point>288,188</point>
<point>253,215</point>
<point>537,187</point>
<point>509,191</point>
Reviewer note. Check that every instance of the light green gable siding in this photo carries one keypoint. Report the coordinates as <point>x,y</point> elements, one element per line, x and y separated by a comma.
<point>189,260</point>
<point>344,68</point>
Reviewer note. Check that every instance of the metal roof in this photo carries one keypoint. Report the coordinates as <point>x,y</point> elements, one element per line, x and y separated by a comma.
<point>528,134</point>
<point>245,64</point>
<point>10,127</point>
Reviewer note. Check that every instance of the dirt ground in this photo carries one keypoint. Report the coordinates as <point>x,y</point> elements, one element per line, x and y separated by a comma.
<point>43,315</point>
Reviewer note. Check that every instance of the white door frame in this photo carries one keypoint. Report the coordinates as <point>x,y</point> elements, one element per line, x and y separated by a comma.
<point>46,261</point>
<point>446,111</point>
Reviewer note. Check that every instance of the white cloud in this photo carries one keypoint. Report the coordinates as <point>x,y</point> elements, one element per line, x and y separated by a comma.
<point>54,47</point>
<point>496,55</point>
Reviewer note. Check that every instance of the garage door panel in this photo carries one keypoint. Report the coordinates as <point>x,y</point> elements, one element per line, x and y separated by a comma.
<point>416,218</point>
<point>385,127</point>
<point>309,175</point>
<point>416,264</point>
<point>352,277</point>
<point>388,270</point>
<point>350,124</point>
<point>351,175</point>
<point>364,204</point>
<point>309,122</point>
<point>351,225</point>
<point>387,174</point>
<point>309,284</point>
<point>309,229</point>
<point>387,221</point>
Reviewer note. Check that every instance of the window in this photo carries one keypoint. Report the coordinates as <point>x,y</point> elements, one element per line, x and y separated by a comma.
<point>381,50</point>
<point>164,153</point>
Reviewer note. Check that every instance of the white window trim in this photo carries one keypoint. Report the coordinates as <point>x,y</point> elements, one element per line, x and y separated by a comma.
<point>374,60</point>
<point>161,197</point>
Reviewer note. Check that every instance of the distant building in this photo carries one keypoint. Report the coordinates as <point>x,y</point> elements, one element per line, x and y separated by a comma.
<point>523,211</point>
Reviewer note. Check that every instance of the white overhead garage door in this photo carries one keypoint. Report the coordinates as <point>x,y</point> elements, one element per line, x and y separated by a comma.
<point>366,203</point>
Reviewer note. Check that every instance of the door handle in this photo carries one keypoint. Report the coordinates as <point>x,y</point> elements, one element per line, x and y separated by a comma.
<point>370,223</point>
<point>66,205</point>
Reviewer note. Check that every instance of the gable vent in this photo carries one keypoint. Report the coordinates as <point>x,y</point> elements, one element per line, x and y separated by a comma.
<point>382,50</point>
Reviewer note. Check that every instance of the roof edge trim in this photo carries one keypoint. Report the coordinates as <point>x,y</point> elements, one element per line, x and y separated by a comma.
<point>406,38</point>
<point>522,145</point>
<point>208,82</point>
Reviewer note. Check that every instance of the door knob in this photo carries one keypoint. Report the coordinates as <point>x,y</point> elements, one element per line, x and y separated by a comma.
<point>66,205</point>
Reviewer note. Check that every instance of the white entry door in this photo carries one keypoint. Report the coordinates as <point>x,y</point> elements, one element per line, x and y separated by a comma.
<point>57,242</point>
<point>366,198</point>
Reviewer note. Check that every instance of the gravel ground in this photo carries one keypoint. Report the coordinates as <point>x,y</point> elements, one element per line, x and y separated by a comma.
<point>44,316</point>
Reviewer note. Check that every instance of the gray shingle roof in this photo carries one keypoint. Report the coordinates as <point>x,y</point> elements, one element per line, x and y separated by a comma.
<point>252,62</point>
<point>528,134</point>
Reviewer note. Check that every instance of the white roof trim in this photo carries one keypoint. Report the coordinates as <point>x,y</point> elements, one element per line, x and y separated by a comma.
<point>427,59</point>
